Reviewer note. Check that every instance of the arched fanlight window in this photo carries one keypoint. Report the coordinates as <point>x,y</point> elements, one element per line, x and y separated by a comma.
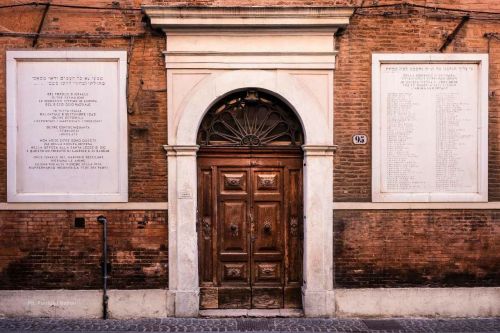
<point>250,118</point>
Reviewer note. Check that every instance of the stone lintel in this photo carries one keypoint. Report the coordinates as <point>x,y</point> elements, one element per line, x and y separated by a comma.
<point>215,18</point>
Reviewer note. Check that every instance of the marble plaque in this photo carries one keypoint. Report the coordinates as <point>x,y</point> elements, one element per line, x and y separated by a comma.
<point>67,126</point>
<point>430,128</point>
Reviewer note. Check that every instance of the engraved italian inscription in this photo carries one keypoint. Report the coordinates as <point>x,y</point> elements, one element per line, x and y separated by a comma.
<point>429,128</point>
<point>68,139</point>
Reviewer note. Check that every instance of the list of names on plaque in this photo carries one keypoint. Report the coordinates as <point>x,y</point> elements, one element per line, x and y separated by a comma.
<point>68,139</point>
<point>429,128</point>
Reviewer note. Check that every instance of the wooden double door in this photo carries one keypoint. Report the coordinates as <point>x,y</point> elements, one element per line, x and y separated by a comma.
<point>250,229</point>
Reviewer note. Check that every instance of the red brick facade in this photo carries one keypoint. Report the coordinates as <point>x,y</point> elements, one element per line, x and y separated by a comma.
<point>375,248</point>
<point>44,250</point>
<point>400,248</point>
<point>405,30</point>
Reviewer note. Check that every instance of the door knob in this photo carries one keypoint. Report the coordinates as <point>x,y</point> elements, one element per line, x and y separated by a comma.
<point>234,230</point>
<point>267,228</point>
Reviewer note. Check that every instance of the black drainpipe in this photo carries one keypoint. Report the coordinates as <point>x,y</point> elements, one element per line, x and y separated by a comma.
<point>102,219</point>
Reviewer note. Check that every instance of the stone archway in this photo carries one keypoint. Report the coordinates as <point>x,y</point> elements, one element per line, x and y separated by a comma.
<point>249,209</point>
<point>286,51</point>
<point>317,288</point>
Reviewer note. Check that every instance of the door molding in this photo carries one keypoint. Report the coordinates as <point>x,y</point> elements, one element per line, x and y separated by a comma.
<point>288,52</point>
<point>317,122</point>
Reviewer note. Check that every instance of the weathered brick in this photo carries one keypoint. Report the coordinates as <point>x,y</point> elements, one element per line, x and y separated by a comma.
<point>40,249</point>
<point>424,248</point>
<point>55,254</point>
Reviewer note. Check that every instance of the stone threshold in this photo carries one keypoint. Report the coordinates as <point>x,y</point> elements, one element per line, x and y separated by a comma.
<point>257,313</point>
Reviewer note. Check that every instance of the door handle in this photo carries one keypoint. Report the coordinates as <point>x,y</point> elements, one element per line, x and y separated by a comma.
<point>234,230</point>
<point>267,228</point>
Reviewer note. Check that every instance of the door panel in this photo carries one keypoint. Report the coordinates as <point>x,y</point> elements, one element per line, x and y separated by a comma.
<point>267,298</point>
<point>234,297</point>
<point>294,239</point>
<point>205,224</point>
<point>250,227</point>
<point>267,256</point>
<point>233,227</point>
<point>267,228</point>
<point>267,184</point>
<point>233,183</point>
<point>266,272</point>
<point>209,297</point>
<point>234,272</point>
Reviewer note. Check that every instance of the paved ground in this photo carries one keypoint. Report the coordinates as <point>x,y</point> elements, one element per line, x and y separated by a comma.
<point>485,325</point>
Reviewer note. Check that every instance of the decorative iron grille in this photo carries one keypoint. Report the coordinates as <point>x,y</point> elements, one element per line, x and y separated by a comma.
<point>250,118</point>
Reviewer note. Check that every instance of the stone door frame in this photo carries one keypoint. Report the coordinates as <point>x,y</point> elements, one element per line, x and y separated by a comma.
<point>317,288</point>
<point>288,52</point>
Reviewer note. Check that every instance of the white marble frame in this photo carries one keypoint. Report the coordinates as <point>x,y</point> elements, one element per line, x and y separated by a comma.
<point>429,58</point>
<point>317,289</point>
<point>214,51</point>
<point>16,56</point>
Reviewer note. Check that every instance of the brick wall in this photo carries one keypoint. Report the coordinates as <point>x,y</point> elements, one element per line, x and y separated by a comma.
<point>425,248</point>
<point>43,250</point>
<point>397,248</point>
<point>147,99</point>
<point>393,30</point>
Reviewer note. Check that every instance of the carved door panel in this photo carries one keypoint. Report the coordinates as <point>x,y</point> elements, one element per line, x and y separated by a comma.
<point>233,257</point>
<point>267,238</point>
<point>249,227</point>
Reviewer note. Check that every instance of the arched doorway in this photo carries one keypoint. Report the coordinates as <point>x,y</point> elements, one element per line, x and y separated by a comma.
<point>184,119</point>
<point>250,211</point>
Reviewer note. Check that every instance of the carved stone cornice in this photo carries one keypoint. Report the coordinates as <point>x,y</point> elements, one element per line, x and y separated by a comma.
<point>249,37</point>
<point>319,150</point>
<point>321,18</point>
<point>181,150</point>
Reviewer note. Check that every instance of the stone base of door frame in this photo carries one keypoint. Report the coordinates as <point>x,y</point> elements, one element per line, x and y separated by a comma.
<point>318,303</point>
<point>157,303</point>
